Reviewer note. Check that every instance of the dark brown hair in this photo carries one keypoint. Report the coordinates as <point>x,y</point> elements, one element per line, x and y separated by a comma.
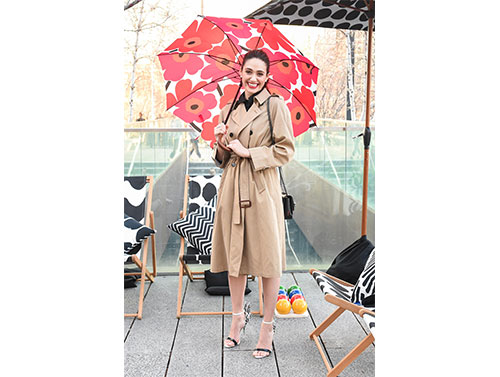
<point>259,54</point>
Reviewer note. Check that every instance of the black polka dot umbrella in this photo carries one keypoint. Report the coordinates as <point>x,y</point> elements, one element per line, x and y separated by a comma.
<point>350,14</point>
<point>338,14</point>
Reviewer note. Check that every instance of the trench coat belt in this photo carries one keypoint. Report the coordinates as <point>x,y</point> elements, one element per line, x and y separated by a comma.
<point>241,197</point>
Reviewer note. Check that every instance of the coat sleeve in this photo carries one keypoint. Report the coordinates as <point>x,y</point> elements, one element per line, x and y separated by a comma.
<point>283,150</point>
<point>225,155</point>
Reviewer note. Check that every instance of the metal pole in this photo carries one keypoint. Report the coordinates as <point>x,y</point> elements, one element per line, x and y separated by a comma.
<point>367,134</point>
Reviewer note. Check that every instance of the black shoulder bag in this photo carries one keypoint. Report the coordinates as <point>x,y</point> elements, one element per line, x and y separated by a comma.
<point>288,203</point>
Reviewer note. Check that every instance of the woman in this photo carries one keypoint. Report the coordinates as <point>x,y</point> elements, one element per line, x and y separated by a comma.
<point>249,234</point>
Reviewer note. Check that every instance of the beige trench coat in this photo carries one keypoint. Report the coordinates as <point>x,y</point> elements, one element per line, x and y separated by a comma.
<point>252,240</point>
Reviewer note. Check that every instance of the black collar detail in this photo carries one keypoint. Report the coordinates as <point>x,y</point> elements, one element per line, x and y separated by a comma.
<point>248,102</point>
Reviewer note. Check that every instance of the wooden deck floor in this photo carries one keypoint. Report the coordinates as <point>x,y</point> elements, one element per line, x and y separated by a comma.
<point>161,345</point>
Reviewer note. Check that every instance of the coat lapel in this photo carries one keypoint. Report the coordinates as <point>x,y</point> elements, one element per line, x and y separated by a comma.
<point>247,116</point>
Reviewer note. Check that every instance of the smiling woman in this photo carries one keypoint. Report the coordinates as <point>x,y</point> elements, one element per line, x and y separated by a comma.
<point>249,234</point>
<point>254,72</point>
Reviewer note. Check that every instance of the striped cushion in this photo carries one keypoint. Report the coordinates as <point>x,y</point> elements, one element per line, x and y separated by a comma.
<point>330,286</point>
<point>370,322</point>
<point>364,290</point>
<point>197,227</point>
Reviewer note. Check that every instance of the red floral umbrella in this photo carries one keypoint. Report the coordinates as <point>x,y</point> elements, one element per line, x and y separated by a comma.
<point>202,71</point>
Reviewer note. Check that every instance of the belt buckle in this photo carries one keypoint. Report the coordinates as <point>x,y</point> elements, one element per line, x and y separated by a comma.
<point>245,203</point>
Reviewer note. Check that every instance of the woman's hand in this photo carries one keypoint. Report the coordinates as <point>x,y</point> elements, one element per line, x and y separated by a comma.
<point>220,130</point>
<point>239,149</point>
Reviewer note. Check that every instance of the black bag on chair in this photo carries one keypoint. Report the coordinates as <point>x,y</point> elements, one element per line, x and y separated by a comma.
<point>349,264</point>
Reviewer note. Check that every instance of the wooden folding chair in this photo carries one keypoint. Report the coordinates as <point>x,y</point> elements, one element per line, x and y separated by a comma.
<point>339,293</point>
<point>188,254</point>
<point>137,204</point>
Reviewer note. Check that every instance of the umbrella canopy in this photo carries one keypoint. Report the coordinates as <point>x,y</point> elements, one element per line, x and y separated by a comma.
<point>338,14</point>
<point>201,69</point>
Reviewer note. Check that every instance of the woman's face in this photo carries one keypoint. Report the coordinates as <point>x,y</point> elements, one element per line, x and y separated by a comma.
<point>253,76</point>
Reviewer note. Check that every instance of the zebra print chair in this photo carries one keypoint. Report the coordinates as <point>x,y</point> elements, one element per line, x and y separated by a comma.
<point>195,228</point>
<point>137,205</point>
<point>358,299</point>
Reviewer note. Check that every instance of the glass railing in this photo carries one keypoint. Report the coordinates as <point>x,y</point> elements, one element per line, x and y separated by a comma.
<point>325,179</point>
<point>335,151</point>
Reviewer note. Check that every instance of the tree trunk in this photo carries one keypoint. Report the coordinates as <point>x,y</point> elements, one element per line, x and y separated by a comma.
<point>132,79</point>
<point>350,103</point>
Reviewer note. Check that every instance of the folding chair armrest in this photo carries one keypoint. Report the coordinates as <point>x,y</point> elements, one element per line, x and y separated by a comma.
<point>366,311</point>
<point>340,281</point>
<point>343,303</point>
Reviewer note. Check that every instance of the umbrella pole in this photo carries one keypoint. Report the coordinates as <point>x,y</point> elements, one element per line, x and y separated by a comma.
<point>367,133</point>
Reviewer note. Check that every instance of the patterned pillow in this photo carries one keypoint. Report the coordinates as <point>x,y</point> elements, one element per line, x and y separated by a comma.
<point>134,234</point>
<point>364,290</point>
<point>197,227</point>
<point>202,188</point>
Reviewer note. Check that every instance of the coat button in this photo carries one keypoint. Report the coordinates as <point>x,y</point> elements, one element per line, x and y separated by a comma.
<point>251,132</point>
<point>231,134</point>
<point>233,164</point>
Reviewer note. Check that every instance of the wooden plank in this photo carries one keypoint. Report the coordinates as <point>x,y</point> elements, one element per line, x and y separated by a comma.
<point>149,341</point>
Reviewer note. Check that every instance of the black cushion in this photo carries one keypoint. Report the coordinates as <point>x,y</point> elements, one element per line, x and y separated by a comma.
<point>218,284</point>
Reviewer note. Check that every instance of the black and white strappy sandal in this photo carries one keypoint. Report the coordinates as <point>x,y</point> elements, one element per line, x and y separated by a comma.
<point>265,349</point>
<point>246,313</point>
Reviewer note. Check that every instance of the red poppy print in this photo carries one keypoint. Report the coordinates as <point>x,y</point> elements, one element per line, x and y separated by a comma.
<point>260,25</point>
<point>301,110</point>
<point>275,40</point>
<point>178,64</point>
<point>198,37</point>
<point>309,73</point>
<point>284,72</point>
<point>228,96</point>
<point>300,119</point>
<point>207,132</point>
<point>182,89</point>
<point>221,64</point>
<point>196,107</point>
<point>235,26</point>
<point>254,43</point>
<point>306,97</point>
<point>279,90</point>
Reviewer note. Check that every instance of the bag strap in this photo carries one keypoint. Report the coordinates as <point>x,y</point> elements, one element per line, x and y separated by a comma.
<point>282,182</point>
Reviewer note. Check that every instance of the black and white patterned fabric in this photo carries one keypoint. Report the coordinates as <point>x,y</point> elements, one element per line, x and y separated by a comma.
<point>134,234</point>
<point>135,197</point>
<point>134,203</point>
<point>202,188</point>
<point>364,290</point>
<point>370,322</point>
<point>197,228</point>
<point>342,14</point>
<point>330,286</point>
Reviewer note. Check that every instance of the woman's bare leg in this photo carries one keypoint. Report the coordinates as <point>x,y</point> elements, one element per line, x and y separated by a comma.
<point>270,288</point>
<point>237,287</point>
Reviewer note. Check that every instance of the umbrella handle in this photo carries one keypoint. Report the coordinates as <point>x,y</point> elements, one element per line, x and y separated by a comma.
<point>223,146</point>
